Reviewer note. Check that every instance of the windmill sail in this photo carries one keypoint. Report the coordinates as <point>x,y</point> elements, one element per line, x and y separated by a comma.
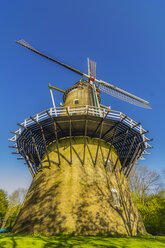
<point>122,95</point>
<point>105,87</point>
<point>25,44</point>
<point>91,68</point>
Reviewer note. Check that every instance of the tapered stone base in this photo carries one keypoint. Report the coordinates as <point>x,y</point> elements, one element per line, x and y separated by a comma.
<point>81,198</point>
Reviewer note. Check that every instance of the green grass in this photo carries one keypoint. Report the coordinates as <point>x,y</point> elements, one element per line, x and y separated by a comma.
<point>60,241</point>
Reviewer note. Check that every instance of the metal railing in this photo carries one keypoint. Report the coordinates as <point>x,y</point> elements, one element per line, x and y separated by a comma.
<point>83,110</point>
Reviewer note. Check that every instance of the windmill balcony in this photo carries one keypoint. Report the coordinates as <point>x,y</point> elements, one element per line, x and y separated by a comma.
<point>113,127</point>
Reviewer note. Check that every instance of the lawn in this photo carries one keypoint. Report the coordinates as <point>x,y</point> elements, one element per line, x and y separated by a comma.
<point>60,241</point>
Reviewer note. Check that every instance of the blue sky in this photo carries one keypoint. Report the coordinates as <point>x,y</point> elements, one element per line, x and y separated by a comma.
<point>125,38</point>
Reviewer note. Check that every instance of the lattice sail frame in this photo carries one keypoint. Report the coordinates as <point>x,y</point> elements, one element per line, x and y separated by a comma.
<point>36,133</point>
<point>120,95</point>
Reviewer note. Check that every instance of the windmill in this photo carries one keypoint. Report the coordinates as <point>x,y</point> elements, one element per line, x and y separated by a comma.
<point>80,155</point>
<point>91,76</point>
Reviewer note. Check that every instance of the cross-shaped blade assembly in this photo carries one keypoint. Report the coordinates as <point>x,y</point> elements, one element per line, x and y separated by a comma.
<point>105,87</point>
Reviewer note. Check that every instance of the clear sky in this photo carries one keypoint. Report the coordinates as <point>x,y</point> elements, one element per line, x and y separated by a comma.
<point>125,38</point>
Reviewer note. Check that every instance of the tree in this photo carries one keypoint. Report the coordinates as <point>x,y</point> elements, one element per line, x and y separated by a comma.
<point>153,213</point>
<point>147,188</point>
<point>17,197</point>
<point>15,203</point>
<point>3,205</point>
<point>143,182</point>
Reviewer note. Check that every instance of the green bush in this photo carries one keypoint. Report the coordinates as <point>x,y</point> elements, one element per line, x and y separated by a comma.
<point>3,205</point>
<point>153,213</point>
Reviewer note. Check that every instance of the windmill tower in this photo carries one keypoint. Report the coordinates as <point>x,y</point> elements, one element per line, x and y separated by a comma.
<point>80,155</point>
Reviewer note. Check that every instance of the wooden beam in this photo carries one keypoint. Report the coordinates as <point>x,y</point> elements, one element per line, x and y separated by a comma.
<point>63,157</point>
<point>28,163</point>
<point>85,137</point>
<point>132,165</point>
<point>132,159</point>
<point>149,147</point>
<point>25,152</point>
<point>44,140</point>
<point>100,123</point>
<point>123,132</point>
<point>77,155</point>
<point>34,164</point>
<point>130,148</point>
<point>136,125</point>
<point>57,144</point>
<point>116,124</point>
<point>145,132</point>
<point>70,134</point>
<point>34,120</point>
<point>14,133</point>
<point>56,136</point>
<point>55,88</point>
<point>98,145</point>
<point>20,125</point>
<point>35,147</point>
<point>121,149</point>
<point>111,145</point>
<point>13,147</point>
<point>57,123</point>
<point>90,154</point>
<point>103,106</point>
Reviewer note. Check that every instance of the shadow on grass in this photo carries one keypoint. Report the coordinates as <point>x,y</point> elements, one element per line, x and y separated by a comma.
<point>70,241</point>
<point>77,241</point>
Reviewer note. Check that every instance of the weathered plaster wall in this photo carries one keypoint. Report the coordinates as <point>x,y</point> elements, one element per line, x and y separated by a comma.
<point>83,94</point>
<point>77,198</point>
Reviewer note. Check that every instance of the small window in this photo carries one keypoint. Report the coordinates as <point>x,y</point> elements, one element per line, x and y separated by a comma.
<point>115,197</point>
<point>76,101</point>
